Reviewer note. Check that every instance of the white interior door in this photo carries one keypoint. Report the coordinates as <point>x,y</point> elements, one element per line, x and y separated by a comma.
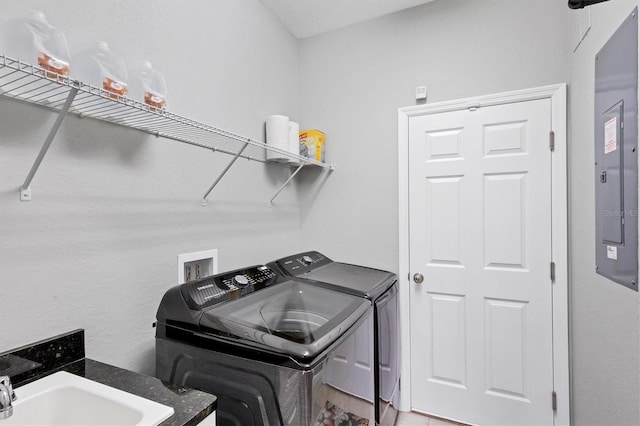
<point>480,235</point>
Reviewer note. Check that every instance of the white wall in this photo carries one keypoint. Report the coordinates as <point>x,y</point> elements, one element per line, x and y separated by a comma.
<point>354,80</point>
<point>112,208</point>
<point>605,316</point>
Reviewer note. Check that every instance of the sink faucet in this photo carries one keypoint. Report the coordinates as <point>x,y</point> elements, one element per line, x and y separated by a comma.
<point>7,396</point>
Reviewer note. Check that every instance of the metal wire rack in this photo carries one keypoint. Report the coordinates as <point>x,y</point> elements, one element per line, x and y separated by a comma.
<point>35,85</point>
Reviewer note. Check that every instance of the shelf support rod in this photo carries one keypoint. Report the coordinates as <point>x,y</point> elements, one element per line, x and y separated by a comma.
<point>285,184</point>
<point>224,172</point>
<point>25,190</point>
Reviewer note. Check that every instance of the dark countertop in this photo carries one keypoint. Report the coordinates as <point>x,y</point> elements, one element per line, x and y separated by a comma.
<point>66,353</point>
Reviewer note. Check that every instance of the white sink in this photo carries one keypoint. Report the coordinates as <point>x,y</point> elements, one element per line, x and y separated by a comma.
<point>66,399</point>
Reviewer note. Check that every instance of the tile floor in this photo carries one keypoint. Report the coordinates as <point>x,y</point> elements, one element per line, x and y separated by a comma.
<point>416,419</point>
<point>364,409</point>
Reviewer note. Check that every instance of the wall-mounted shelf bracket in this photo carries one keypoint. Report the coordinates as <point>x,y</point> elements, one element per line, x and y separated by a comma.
<point>25,190</point>
<point>25,194</point>
<point>224,172</point>
<point>285,184</point>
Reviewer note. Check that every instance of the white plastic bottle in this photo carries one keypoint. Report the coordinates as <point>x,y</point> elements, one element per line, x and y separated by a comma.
<point>32,40</point>
<point>148,86</point>
<point>100,67</point>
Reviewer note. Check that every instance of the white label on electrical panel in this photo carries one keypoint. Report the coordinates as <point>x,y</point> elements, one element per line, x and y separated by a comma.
<point>612,252</point>
<point>610,135</point>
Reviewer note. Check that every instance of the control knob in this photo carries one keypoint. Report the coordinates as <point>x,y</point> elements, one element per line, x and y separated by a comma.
<point>240,281</point>
<point>307,260</point>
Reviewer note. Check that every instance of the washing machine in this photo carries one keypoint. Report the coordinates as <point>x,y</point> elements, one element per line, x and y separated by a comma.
<point>261,343</point>
<point>378,287</point>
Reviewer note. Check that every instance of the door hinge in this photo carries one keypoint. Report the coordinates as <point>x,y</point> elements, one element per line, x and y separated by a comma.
<point>554,401</point>
<point>552,140</point>
<point>552,271</point>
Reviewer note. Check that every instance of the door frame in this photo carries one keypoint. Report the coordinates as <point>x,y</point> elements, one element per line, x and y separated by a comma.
<point>559,229</point>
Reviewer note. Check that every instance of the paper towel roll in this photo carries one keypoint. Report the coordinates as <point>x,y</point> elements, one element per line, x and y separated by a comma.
<point>277,137</point>
<point>294,140</point>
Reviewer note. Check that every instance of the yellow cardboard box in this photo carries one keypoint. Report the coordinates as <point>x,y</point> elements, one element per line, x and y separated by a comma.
<point>312,144</point>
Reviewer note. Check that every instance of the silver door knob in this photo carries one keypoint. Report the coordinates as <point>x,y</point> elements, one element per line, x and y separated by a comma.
<point>418,278</point>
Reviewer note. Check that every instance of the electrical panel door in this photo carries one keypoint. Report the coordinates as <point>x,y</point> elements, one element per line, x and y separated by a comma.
<point>616,157</point>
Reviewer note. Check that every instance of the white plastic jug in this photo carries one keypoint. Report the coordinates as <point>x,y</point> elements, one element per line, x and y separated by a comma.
<point>32,40</point>
<point>148,85</point>
<point>100,67</point>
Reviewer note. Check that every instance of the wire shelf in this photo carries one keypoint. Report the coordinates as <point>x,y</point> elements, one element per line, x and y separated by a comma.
<point>35,85</point>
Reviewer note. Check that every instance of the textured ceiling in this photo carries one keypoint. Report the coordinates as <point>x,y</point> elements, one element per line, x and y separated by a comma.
<point>306,18</point>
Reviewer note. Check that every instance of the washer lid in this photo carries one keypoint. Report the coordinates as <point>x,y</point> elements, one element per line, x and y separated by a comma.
<point>353,279</point>
<point>293,318</point>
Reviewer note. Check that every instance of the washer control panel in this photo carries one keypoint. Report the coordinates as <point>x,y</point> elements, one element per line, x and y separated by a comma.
<point>220,288</point>
<point>301,263</point>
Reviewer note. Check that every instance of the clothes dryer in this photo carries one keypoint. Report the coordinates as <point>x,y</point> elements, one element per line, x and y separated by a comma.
<point>380,288</point>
